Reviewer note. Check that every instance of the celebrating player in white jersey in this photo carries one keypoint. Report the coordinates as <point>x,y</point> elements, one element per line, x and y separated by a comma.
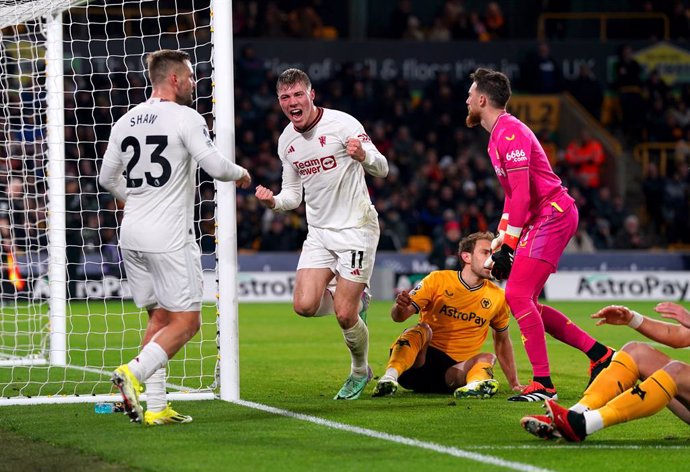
<point>326,152</point>
<point>158,144</point>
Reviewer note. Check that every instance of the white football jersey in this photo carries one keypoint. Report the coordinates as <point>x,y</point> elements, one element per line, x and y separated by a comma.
<point>158,143</point>
<point>335,192</point>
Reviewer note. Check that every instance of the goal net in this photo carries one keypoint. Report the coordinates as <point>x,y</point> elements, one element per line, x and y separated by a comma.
<point>70,69</point>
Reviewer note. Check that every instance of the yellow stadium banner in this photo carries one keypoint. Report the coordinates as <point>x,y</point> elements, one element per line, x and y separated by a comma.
<point>539,112</point>
<point>672,62</point>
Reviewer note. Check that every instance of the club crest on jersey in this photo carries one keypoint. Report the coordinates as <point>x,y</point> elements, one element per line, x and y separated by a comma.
<point>322,140</point>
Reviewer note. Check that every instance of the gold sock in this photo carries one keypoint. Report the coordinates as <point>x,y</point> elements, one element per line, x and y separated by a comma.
<point>405,349</point>
<point>480,371</point>
<point>619,376</point>
<point>644,399</point>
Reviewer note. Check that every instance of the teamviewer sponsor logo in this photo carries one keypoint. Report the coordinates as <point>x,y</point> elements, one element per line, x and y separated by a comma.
<point>314,166</point>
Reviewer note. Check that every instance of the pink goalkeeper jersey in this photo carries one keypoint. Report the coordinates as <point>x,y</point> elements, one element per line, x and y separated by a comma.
<point>514,149</point>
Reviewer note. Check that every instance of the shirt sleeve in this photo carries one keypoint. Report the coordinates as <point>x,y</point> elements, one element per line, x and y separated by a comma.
<point>374,163</point>
<point>290,195</point>
<point>422,293</point>
<point>197,140</point>
<point>501,321</point>
<point>111,177</point>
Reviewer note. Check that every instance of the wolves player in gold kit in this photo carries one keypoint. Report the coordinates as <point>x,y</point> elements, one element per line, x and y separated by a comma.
<point>456,308</point>
<point>615,396</point>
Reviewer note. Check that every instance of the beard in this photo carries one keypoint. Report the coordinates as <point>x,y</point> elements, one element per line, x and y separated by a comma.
<point>473,119</point>
<point>185,100</point>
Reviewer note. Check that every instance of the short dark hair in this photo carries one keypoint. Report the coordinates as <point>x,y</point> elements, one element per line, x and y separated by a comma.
<point>495,85</point>
<point>290,77</point>
<point>468,243</point>
<point>160,62</point>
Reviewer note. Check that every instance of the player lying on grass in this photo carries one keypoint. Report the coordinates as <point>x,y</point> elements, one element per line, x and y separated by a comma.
<point>442,352</point>
<point>615,396</point>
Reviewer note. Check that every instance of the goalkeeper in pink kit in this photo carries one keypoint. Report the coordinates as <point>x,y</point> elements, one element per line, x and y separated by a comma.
<point>539,218</point>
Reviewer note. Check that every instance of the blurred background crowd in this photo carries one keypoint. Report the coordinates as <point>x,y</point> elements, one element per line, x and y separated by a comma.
<point>441,185</point>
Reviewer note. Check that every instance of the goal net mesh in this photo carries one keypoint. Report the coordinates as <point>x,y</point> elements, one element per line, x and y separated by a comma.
<point>104,48</point>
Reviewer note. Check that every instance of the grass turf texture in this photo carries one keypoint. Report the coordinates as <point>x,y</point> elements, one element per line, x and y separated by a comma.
<point>298,365</point>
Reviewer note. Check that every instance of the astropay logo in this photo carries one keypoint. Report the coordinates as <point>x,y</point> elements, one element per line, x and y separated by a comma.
<point>518,155</point>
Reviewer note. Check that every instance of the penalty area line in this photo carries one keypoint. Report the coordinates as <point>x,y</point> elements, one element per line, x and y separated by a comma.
<point>451,451</point>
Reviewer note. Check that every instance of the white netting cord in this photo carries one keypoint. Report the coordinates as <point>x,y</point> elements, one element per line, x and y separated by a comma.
<point>104,51</point>
<point>14,12</point>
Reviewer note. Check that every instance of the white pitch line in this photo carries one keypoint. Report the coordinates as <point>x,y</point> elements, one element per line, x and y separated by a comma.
<point>451,451</point>
<point>575,447</point>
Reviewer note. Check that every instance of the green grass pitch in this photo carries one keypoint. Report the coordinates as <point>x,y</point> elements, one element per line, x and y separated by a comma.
<point>296,365</point>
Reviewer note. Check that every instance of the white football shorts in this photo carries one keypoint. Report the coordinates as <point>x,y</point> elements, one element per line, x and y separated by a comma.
<point>349,252</point>
<point>171,280</point>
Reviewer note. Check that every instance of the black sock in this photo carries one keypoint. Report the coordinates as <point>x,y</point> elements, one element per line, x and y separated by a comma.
<point>545,381</point>
<point>597,351</point>
<point>577,421</point>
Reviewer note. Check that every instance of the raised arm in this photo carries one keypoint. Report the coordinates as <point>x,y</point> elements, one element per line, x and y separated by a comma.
<point>670,334</point>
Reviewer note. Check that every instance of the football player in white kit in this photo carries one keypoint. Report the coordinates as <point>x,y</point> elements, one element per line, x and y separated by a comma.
<point>326,152</point>
<point>158,144</point>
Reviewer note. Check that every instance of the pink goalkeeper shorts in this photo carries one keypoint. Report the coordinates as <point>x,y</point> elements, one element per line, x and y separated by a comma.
<point>546,236</point>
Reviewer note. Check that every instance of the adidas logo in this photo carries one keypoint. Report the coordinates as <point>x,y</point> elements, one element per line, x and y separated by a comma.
<point>291,149</point>
<point>355,272</point>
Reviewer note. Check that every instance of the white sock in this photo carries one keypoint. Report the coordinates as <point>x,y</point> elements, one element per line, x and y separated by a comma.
<point>155,391</point>
<point>391,373</point>
<point>578,408</point>
<point>149,360</point>
<point>593,421</point>
<point>326,306</point>
<point>357,340</point>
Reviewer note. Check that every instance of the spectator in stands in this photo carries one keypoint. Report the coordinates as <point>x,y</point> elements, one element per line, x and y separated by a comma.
<point>675,206</point>
<point>399,21</point>
<point>439,30</point>
<point>414,29</point>
<point>655,88</point>
<point>601,234</point>
<point>587,90</point>
<point>653,188</point>
<point>279,236</point>
<point>628,84</point>
<point>581,242</point>
<point>585,155</point>
<point>304,22</point>
<point>631,236</point>
<point>444,252</point>
<point>388,240</point>
<point>540,72</point>
<point>495,22</point>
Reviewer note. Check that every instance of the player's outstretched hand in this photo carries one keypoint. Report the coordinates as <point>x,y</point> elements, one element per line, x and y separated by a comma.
<point>503,262</point>
<point>265,196</point>
<point>355,150</point>
<point>403,299</point>
<point>675,312</point>
<point>613,315</point>
<point>245,181</point>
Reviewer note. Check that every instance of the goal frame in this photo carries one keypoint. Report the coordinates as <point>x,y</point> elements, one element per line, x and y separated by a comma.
<point>227,367</point>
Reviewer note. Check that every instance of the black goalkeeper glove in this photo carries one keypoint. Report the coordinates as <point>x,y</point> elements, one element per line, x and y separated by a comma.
<point>503,262</point>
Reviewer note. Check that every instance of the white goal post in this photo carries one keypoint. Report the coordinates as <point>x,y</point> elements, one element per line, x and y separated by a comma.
<point>70,69</point>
